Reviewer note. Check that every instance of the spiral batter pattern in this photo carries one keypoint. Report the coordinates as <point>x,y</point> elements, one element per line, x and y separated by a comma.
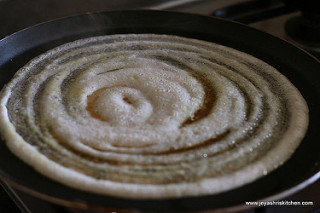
<point>151,116</point>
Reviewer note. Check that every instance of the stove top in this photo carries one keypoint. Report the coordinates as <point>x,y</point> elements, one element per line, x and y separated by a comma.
<point>16,15</point>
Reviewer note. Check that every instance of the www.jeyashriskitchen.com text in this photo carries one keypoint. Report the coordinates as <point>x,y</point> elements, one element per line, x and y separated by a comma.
<point>279,203</point>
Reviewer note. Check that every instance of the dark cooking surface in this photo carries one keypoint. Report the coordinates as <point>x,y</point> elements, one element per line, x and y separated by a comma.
<point>15,24</point>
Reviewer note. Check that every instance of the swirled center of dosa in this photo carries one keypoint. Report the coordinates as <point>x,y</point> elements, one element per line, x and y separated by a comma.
<point>119,106</point>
